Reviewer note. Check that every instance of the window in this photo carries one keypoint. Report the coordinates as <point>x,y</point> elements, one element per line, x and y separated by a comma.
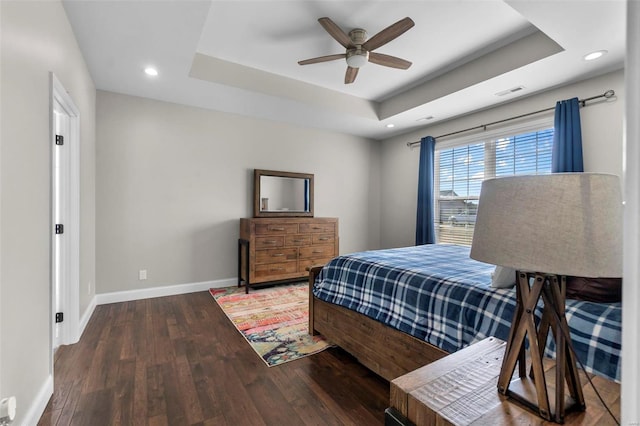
<point>461,167</point>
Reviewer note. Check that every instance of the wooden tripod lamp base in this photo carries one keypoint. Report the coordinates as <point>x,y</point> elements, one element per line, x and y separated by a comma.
<point>533,391</point>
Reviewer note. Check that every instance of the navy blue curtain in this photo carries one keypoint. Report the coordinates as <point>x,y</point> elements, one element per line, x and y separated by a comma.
<point>567,138</point>
<point>425,229</point>
<point>307,205</point>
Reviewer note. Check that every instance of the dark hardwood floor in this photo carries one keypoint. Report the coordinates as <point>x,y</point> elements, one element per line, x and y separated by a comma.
<point>178,360</point>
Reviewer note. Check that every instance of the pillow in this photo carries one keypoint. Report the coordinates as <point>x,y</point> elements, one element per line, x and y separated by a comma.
<point>503,277</point>
<point>600,290</point>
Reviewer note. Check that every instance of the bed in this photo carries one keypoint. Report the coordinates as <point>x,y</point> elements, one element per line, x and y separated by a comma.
<point>398,309</point>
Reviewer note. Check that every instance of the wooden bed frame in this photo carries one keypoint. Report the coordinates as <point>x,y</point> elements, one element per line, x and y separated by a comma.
<point>388,352</point>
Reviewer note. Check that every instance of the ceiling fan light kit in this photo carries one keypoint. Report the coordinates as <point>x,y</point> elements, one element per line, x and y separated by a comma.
<point>359,49</point>
<point>357,58</point>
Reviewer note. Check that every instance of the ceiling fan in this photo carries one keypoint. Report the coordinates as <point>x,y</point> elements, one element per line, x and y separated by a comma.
<point>359,49</point>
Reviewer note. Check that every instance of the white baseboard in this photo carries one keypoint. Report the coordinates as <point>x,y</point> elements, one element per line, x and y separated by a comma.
<point>171,290</point>
<point>34,412</point>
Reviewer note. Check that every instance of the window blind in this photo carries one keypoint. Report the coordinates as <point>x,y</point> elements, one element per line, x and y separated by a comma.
<point>461,169</point>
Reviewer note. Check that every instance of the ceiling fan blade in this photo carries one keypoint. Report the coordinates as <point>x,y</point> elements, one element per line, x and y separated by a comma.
<point>335,31</point>
<point>350,75</point>
<point>322,59</point>
<point>388,34</point>
<point>388,61</point>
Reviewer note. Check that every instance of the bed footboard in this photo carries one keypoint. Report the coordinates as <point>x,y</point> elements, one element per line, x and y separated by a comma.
<point>384,350</point>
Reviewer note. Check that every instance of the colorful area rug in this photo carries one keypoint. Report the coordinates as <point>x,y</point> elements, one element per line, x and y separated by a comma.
<point>275,320</point>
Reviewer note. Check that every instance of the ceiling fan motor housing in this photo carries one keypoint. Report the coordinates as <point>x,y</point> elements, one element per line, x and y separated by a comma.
<point>358,36</point>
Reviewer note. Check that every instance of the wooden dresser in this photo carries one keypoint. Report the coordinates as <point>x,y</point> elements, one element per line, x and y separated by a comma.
<point>281,249</point>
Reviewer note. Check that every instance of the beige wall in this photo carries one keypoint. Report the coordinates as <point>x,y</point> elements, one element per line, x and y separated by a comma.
<point>36,39</point>
<point>173,181</point>
<point>602,148</point>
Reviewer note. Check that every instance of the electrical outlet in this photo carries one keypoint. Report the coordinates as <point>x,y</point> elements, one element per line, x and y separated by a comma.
<point>142,274</point>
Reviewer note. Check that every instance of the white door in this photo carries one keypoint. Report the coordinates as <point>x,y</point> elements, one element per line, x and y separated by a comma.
<point>65,211</point>
<point>60,215</point>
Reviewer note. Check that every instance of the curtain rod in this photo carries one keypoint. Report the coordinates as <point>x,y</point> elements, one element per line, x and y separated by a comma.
<point>609,93</point>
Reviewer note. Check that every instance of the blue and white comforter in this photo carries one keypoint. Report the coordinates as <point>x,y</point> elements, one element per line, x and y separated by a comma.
<point>438,294</point>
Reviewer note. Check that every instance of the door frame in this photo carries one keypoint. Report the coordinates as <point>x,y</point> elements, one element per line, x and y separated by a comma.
<point>70,297</point>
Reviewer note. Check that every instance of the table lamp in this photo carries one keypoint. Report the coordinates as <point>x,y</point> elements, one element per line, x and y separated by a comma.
<point>547,227</point>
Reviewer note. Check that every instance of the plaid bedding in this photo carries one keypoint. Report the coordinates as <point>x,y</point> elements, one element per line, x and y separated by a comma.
<point>438,294</point>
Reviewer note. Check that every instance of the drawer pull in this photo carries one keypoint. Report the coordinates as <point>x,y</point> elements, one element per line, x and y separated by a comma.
<point>277,255</point>
<point>298,241</point>
<point>323,238</point>
<point>317,227</point>
<point>276,229</point>
<point>271,242</point>
<point>317,251</point>
<point>277,269</point>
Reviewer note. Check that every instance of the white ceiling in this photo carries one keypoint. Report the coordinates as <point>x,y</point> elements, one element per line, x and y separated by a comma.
<point>241,56</point>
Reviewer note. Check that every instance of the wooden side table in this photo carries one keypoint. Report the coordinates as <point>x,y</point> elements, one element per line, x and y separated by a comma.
<point>461,389</point>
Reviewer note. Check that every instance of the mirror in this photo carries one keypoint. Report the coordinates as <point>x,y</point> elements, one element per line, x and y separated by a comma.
<point>282,193</point>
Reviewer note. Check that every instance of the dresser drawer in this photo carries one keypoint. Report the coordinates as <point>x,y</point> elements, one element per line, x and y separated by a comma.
<point>275,269</point>
<point>322,238</point>
<point>298,240</point>
<point>317,227</point>
<point>313,252</point>
<point>276,255</point>
<point>269,242</point>
<point>276,228</point>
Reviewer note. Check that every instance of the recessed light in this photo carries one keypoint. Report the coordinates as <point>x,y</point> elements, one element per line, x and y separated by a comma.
<point>390,125</point>
<point>151,71</point>
<point>595,55</point>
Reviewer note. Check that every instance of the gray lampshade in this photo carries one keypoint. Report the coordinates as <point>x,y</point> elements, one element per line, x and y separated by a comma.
<point>562,223</point>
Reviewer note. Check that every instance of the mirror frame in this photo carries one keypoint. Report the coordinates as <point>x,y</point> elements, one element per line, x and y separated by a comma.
<point>258,173</point>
